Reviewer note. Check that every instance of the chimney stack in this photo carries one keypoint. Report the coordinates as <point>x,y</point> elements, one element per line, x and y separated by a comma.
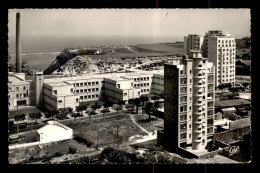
<point>18,44</point>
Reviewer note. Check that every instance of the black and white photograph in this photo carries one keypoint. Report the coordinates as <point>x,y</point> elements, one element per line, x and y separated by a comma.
<point>129,86</point>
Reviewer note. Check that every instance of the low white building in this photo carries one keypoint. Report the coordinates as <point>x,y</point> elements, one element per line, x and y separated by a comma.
<point>54,131</point>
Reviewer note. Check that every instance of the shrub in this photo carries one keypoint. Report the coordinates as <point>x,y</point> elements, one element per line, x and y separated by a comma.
<point>119,156</point>
<point>76,115</point>
<point>72,150</point>
<point>57,154</point>
<point>80,139</point>
<point>92,112</point>
<point>84,160</point>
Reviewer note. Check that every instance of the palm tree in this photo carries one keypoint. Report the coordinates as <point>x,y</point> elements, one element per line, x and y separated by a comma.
<point>148,108</point>
<point>143,99</point>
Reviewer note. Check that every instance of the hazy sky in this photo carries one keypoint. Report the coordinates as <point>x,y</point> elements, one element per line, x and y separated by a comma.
<point>126,22</point>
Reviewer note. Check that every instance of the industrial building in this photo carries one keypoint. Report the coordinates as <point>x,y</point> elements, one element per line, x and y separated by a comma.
<point>63,92</point>
<point>220,48</point>
<point>188,103</point>
<point>18,91</point>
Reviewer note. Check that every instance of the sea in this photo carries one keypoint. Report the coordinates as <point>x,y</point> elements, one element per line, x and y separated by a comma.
<point>40,52</point>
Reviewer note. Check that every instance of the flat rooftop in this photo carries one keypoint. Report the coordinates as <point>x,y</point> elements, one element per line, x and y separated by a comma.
<point>57,84</point>
<point>14,79</point>
<point>114,76</point>
<point>231,103</point>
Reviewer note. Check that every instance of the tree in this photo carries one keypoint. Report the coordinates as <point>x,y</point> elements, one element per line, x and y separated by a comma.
<point>81,108</point>
<point>92,112</point>
<point>137,103</point>
<point>121,103</point>
<point>116,107</point>
<point>130,108</point>
<point>51,113</point>
<point>69,109</point>
<point>35,116</point>
<point>106,105</point>
<point>38,116</point>
<point>96,106</point>
<point>20,117</point>
<point>143,99</point>
<point>75,115</point>
<point>156,106</point>
<point>104,110</point>
<point>148,109</point>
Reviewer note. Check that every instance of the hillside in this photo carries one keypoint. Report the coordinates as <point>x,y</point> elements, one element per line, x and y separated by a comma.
<point>61,59</point>
<point>243,43</point>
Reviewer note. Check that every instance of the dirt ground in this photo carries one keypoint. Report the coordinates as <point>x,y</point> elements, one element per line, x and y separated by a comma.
<point>41,152</point>
<point>105,129</point>
<point>149,126</point>
<point>101,130</point>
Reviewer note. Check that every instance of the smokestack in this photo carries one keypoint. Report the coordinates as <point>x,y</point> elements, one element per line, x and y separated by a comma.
<point>18,44</point>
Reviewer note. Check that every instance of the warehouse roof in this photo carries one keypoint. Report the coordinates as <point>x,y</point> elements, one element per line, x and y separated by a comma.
<point>246,62</point>
<point>53,127</point>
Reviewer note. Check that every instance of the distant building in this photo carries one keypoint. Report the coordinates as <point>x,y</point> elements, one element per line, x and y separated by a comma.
<point>220,48</point>
<point>188,102</point>
<point>157,84</point>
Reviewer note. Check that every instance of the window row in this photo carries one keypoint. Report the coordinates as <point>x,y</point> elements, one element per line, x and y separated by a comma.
<point>141,79</point>
<point>141,85</point>
<point>21,95</point>
<point>154,83</point>
<point>86,83</point>
<point>23,88</point>
<point>51,98</point>
<point>87,90</point>
<point>160,78</point>
<point>113,91</point>
<point>156,89</point>
<point>145,90</point>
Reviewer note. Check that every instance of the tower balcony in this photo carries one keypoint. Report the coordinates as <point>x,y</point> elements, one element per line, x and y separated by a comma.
<point>197,113</point>
<point>197,131</point>
<point>198,86</point>
<point>199,94</point>
<point>198,68</point>
<point>197,140</point>
<point>197,122</point>
<point>198,76</point>
<point>197,104</point>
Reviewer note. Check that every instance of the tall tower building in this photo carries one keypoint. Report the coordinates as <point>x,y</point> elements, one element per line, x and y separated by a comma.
<point>220,48</point>
<point>38,80</point>
<point>193,42</point>
<point>18,44</point>
<point>189,102</point>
